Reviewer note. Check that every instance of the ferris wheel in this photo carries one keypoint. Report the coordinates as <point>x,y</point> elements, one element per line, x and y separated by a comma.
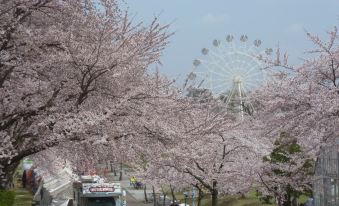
<point>230,69</point>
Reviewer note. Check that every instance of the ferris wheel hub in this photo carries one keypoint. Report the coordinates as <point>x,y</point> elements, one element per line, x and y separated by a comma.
<point>238,79</point>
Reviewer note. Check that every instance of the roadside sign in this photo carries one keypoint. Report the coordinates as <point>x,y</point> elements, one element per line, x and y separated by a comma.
<point>101,189</point>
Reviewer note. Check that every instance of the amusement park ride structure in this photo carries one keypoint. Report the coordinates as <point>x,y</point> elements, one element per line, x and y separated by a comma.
<point>230,70</point>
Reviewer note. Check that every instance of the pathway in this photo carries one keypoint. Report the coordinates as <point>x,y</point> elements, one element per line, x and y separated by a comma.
<point>22,197</point>
<point>134,197</point>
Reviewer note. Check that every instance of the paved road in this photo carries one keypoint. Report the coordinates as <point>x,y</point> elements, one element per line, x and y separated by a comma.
<point>133,202</point>
<point>134,197</point>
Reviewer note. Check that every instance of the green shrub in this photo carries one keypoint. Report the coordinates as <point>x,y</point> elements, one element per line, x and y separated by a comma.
<point>6,198</point>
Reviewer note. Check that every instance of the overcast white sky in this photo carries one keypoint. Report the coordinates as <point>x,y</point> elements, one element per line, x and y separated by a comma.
<point>197,22</point>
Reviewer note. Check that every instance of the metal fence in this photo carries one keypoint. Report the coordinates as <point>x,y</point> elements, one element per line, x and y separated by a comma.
<point>326,184</point>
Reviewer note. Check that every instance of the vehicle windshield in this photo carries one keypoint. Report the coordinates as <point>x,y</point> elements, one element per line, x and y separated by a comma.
<point>101,201</point>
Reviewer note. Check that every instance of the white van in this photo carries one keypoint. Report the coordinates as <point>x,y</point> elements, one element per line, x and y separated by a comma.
<point>88,193</point>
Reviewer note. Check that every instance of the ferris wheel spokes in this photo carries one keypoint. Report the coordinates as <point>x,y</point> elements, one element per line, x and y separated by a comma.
<point>231,70</point>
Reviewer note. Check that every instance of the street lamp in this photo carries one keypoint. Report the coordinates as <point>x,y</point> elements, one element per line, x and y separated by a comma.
<point>185,195</point>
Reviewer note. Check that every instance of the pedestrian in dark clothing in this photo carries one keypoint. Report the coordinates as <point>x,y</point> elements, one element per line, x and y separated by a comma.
<point>24,179</point>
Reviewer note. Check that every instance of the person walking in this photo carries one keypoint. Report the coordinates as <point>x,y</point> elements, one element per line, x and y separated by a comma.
<point>133,181</point>
<point>24,179</point>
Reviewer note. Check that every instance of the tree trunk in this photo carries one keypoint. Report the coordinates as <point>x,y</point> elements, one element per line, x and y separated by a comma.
<point>120,177</point>
<point>287,200</point>
<point>214,194</point>
<point>7,179</point>
<point>164,201</point>
<point>154,197</point>
<point>164,196</point>
<point>200,196</point>
<point>145,193</point>
<point>242,195</point>
<point>294,201</point>
<point>279,201</point>
<point>215,197</point>
<point>172,193</point>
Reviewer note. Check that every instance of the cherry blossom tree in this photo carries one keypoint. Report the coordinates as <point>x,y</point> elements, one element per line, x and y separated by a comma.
<point>130,127</point>
<point>221,164</point>
<point>65,67</point>
<point>206,148</point>
<point>161,178</point>
<point>301,101</point>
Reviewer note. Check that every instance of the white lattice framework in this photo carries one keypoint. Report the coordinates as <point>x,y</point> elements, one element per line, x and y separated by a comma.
<point>231,69</point>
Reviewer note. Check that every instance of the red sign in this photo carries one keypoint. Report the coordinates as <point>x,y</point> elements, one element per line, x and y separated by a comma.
<point>101,189</point>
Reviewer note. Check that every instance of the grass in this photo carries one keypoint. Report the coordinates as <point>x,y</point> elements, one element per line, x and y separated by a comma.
<point>23,196</point>
<point>230,200</point>
<point>249,200</point>
<point>7,197</point>
<point>233,201</point>
<point>236,201</point>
